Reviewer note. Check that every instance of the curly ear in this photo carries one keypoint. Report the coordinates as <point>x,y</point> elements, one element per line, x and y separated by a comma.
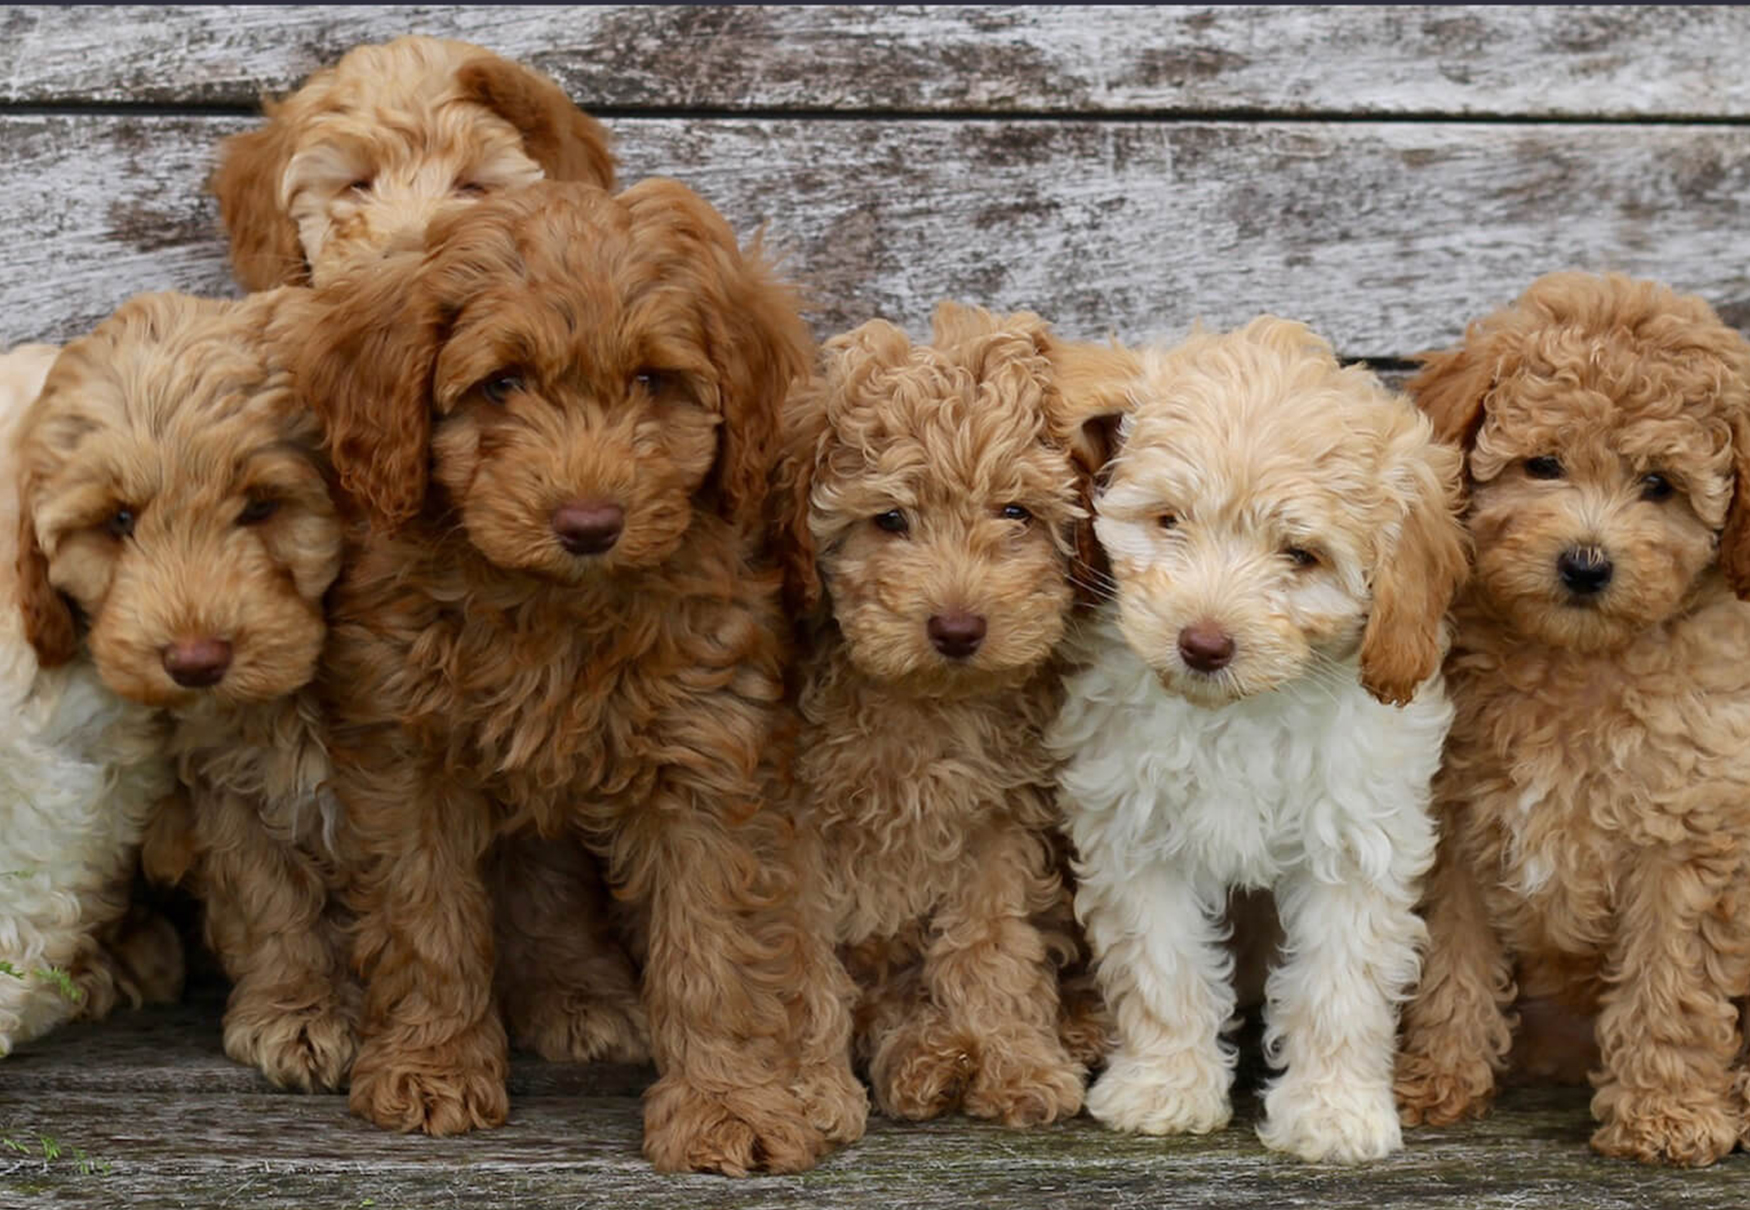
<point>1450,389</point>
<point>804,432</point>
<point>265,251</point>
<point>1734,553</point>
<point>48,618</point>
<point>362,351</point>
<point>1421,562</point>
<point>567,143</point>
<point>1091,401</point>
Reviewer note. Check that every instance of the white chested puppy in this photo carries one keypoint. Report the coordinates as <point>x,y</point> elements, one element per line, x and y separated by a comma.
<point>1260,707</point>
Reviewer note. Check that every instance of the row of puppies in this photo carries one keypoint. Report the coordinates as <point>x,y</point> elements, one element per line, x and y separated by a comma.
<point>1203,647</point>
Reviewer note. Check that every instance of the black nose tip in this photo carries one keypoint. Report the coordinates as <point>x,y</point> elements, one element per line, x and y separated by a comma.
<point>1206,647</point>
<point>1584,569</point>
<point>957,635</point>
<point>588,527</point>
<point>197,663</point>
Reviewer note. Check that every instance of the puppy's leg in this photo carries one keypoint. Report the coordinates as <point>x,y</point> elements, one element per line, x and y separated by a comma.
<point>1331,1014</point>
<point>567,985</point>
<point>1668,1026</point>
<point>1167,977</point>
<point>990,1028</point>
<point>266,902</point>
<point>1456,1032</point>
<point>432,1052</point>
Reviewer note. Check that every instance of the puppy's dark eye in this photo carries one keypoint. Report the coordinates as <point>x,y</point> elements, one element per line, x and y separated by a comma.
<point>1300,556</point>
<point>1546,467</point>
<point>120,523</point>
<point>892,521</point>
<point>655,382</point>
<point>1014,512</point>
<point>257,511</point>
<point>502,385</point>
<point>1656,487</point>
<point>1169,520</point>
<point>362,185</point>
<point>469,188</point>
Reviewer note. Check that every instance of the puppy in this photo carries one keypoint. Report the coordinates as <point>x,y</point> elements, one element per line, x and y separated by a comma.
<point>80,772</point>
<point>942,508</point>
<point>358,160</point>
<point>176,492</point>
<point>1261,708</point>
<point>1595,801</point>
<point>561,423</point>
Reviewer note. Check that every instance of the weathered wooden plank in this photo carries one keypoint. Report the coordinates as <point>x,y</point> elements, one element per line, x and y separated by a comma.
<point>1545,60</point>
<point>163,1150</point>
<point>1386,236</point>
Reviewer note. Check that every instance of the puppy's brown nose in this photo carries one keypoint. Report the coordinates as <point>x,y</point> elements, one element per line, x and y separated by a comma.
<point>588,527</point>
<point>957,635</point>
<point>1585,569</point>
<point>197,663</point>
<point>1206,646</point>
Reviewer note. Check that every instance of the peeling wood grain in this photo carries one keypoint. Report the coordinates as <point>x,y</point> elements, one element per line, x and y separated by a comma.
<point>1584,61</point>
<point>1387,237</point>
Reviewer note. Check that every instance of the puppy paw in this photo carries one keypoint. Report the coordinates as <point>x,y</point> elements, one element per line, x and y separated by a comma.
<point>441,1090</point>
<point>922,1072</point>
<point>308,1049</point>
<point>1688,1131</point>
<point>1440,1094</point>
<point>1084,1029</point>
<point>1337,1121</point>
<point>748,1129</point>
<point>1184,1093</point>
<point>834,1101</point>
<point>571,1026</point>
<point>1019,1093</point>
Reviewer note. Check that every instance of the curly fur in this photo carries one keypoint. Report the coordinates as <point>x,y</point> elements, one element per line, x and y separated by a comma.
<point>1595,801</point>
<point>178,494</point>
<point>562,347</point>
<point>1307,514</point>
<point>923,780</point>
<point>80,771</point>
<point>355,162</point>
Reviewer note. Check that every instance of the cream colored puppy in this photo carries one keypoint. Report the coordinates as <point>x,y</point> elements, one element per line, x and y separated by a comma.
<point>1260,706</point>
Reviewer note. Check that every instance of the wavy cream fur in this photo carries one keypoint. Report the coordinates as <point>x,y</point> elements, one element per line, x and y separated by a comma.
<point>1279,772</point>
<point>80,770</point>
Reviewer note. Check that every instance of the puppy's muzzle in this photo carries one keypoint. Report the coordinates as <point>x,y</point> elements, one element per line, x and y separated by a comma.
<point>588,527</point>
<point>1205,647</point>
<point>1585,571</point>
<point>957,635</point>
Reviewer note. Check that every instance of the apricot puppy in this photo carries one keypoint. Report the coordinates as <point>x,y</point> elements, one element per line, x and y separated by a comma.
<point>1595,800</point>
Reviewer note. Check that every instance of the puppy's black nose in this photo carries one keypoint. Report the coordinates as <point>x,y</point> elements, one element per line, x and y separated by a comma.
<point>957,635</point>
<point>588,527</point>
<point>197,663</point>
<point>1584,569</point>
<point>1206,647</point>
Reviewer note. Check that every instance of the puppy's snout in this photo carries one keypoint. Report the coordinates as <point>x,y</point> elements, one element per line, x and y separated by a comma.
<point>588,527</point>
<point>1585,570</point>
<point>197,663</point>
<point>957,635</point>
<point>1206,647</point>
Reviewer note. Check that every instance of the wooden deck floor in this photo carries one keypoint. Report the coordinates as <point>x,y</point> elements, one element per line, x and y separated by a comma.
<point>145,1112</point>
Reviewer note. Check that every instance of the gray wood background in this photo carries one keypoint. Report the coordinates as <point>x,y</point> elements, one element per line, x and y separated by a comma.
<point>1383,173</point>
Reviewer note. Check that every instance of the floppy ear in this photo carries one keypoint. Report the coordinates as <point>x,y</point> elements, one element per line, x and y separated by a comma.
<point>757,340</point>
<point>1734,553</point>
<point>362,351</point>
<point>1450,389</point>
<point>48,619</point>
<point>804,430</point>
<point>1091,401</point>
<point>1420,564</point>
<point>567,143</point>
<point>265,251</point>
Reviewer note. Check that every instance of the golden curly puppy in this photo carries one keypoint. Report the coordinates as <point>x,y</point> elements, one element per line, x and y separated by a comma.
<point>942,506</point>
<point>562,421</point>
<point>181,505</point>
<point>1596,793</point>
<point>366,152</point>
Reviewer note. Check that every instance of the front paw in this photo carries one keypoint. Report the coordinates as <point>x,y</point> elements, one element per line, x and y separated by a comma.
<point>1182,1093</point>
<point>1336,1121</point>
<point>1431,1093</point>
<point>579,1027</point>
<point>834,1100</point>
<point>307,1049</point>
<point>922,1069</point>
<point>441,1090</point>
<point>1689,1131</point>
<point>748,1129</point>
<point>1026,1091</point>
